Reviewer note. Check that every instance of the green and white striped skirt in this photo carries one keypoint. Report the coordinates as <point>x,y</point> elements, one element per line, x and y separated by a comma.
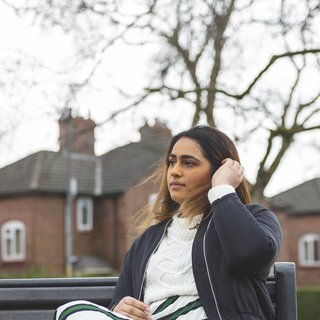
<point>176,307</point>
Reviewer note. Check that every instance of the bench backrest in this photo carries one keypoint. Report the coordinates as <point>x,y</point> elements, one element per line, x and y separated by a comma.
<point>37,299</point>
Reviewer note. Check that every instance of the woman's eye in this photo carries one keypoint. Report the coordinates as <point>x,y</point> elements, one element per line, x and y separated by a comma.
<point>188,163</point>
<point>171,162</point>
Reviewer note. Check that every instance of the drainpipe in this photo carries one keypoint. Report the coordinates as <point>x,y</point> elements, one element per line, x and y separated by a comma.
<point>71,191</point>
<point>115,232</point>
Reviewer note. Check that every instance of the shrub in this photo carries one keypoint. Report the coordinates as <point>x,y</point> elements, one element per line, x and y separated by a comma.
<point>308,303</point>
<point>33,272</point>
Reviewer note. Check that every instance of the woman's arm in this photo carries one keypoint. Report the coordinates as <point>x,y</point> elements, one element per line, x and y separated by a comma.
<point>250,236</point>
<point>123,301</point>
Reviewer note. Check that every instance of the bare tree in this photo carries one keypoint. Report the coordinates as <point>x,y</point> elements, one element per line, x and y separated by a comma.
<point>216,55</point>
<point>12,72</point>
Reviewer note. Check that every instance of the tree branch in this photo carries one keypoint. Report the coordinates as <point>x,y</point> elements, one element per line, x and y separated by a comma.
<point>308,104</point>
<point>265,69</point>
<point>128,107</point>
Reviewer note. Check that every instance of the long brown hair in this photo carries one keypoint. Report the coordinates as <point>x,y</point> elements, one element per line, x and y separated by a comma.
<point>216,146</point>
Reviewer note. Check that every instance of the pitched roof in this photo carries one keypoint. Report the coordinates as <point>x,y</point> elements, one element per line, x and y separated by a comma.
<point>301,199</point>
<point>46,171</point>
<point>113,172</point>
<point>126,166</point>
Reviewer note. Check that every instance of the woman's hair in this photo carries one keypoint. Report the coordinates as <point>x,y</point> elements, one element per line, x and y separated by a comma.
<point>215,146</point>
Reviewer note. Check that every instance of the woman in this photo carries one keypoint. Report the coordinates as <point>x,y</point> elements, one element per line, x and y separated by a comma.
<point>205,252</point>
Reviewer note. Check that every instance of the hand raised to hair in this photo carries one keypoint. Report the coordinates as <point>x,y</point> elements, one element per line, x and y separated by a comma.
<point>133,308</point>
<point>231,173</point>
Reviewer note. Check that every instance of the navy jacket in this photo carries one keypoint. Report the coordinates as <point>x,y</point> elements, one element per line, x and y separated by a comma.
<point>233,251</point>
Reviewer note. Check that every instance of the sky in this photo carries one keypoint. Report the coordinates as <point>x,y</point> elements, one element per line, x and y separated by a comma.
<point>36,123</point>
<point>37,127</point>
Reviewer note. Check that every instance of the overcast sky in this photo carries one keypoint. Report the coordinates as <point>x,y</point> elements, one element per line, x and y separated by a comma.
<point>37,127</point>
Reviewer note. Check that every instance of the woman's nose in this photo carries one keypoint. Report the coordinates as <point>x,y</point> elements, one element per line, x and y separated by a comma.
<point>176,170</point>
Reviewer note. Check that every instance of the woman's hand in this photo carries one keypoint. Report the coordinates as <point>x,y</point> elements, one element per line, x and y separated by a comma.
<point>231,173</point>
<point>133,309</point>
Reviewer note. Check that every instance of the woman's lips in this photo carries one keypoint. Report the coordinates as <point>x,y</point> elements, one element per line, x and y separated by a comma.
<point>176,185</point>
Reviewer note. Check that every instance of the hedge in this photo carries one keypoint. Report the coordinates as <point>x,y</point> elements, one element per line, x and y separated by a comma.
<point>308,303</point>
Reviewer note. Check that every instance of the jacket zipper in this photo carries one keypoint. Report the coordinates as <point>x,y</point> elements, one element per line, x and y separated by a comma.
<point>154,250</point>
<point>207,267</point>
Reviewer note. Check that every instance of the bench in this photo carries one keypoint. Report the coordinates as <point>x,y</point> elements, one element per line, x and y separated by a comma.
<point>36,299</point>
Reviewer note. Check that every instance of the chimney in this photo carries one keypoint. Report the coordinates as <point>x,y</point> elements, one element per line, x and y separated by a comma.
<point>82,133</point>
<point>159,129</point>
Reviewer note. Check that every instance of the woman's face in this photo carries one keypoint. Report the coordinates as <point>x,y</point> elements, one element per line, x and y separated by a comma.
<point>188,169</point>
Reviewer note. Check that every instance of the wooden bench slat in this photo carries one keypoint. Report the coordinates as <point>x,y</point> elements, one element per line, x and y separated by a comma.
<point>29,315</point>
<point>41,298</point>
<point>58,282</point>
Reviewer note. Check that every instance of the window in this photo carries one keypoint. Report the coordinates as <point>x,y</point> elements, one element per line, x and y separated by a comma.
<point>13,240</point>
<point>84,214</point>
<point>152,199</point>
<point>309,250</point>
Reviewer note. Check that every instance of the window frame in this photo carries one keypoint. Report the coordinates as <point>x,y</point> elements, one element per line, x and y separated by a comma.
<point>152,197</point>
<point>8,232</point>
<point>80,205</point>
<point>306,247</point>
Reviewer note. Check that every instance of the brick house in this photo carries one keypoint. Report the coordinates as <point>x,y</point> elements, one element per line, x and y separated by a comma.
<point>33,200</point>
<point>33,204</point>
<point>298,210</point>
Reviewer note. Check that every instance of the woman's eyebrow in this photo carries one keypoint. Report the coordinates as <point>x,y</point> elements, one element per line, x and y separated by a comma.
<point>184,157</point>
